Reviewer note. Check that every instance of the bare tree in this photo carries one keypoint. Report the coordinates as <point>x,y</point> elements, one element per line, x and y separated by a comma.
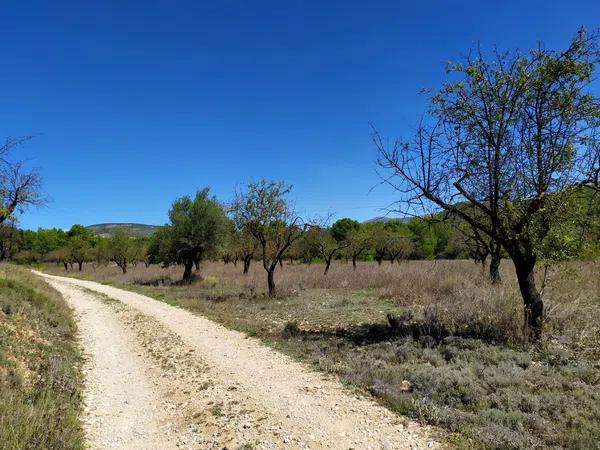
<point>19,187</point>
<point>514,138</point>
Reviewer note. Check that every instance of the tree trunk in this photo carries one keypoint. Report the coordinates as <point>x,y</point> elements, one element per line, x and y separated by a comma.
<point>353,262</point>
<point>80,264</point>
<point>124,268</point>
<point>534,306</point>
<point>327,265</point>
<point>271,279</point>
<point>197,263</point>
<point>247,261</point>
<point>483,262</point>
<point>496,258</point>
<point>281,263</point>
<point>187,272</point>
<point>66,266</point>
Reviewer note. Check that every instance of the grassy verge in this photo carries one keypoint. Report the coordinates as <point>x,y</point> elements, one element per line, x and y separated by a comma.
<point>40,376</point>
<point>442,346</point>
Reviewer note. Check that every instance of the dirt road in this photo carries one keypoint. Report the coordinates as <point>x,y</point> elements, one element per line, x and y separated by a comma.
<point>161,377</point>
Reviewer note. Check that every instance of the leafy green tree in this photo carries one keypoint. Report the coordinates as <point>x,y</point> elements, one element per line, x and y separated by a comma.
<point>342,228</point>
<point>515,138</point>
<point>10,240</point>
<point>197,230</point>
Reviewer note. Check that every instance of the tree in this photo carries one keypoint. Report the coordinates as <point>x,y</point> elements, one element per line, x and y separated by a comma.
<point>121,248</point>
<point>197,229</point>
<point>10,240</point>
<point>264,211</point>
<point>60,256</point>
<point>244,246</point>
<point>342,228</point>
<point>19,187</point>
<point>380,239</point>
<point>79,250</point>
<point>360,241</point>
<point>514,138</point>
<point>325,245</point>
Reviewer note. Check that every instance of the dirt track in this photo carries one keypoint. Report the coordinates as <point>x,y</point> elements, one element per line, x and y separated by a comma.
<point>161,377</point>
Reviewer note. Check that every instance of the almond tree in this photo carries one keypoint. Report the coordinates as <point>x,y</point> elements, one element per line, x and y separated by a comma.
<point>264,211</point>
<point>19,187</point>
<point>121,248</point>
<point>325,245</point>
<point>514,137</point>
<point>360,242</point>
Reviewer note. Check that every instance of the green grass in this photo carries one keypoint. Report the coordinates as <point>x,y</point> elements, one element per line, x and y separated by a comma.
<point>40,380</point>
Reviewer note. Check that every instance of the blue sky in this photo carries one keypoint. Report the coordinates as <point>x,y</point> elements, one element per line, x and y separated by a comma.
<point>135,103</point>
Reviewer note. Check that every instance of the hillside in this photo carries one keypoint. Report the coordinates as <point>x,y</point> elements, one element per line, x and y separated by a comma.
<point>136,229</point>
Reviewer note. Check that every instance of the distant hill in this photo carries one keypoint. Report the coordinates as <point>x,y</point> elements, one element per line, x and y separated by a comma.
<point>136,229</point>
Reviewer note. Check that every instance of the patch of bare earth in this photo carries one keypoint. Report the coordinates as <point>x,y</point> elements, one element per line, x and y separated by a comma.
<point>188,382</point>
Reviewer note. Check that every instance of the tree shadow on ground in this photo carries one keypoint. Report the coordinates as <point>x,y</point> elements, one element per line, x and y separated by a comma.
<point>428,330</point>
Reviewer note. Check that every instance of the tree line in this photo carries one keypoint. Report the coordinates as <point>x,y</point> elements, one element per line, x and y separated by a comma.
<point>505,162</point>
<point>72,248</point>
<point>260,225</point>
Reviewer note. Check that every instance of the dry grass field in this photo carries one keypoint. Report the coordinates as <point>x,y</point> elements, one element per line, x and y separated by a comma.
<point>430,339</point>
<point>40,361</point>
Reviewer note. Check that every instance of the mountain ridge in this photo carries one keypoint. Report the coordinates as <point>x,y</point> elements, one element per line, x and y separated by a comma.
<point>136,229</point>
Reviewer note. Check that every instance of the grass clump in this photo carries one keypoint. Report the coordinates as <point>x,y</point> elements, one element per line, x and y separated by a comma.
<point>40,381</point>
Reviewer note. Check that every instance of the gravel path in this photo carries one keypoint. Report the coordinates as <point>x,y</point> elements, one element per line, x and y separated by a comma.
<point>217,387</point>
<point>122,409</point>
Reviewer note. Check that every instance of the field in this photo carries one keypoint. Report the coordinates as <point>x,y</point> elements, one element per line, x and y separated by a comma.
<point>430,339</point>
<point>40,380</point>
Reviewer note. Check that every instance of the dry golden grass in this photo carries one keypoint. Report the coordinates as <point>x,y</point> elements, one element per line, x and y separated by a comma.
<point>456,292</point>
<point>40,362</point>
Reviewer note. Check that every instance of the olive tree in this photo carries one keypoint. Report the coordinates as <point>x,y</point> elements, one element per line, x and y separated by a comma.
<point>513,136</point>
<point>264,211</point>
<point>197,230</point>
